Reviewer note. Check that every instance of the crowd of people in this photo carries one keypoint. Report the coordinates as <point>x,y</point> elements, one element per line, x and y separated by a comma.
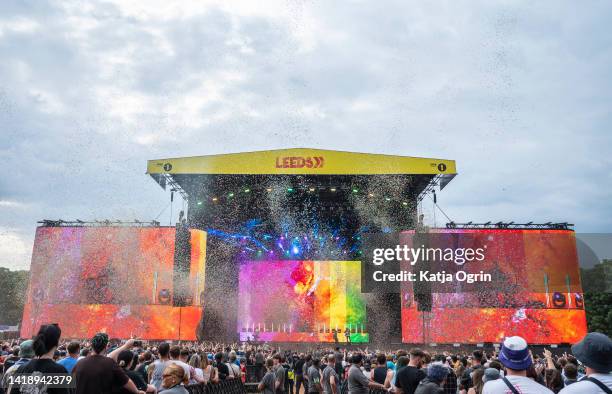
<point>101,366</point>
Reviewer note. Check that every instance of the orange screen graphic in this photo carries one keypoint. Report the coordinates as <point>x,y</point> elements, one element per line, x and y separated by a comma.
<point>538,297</point>
<point>117,280</point>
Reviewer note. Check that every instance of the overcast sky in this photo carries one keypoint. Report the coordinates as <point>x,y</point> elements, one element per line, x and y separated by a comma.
<point>519,94</point>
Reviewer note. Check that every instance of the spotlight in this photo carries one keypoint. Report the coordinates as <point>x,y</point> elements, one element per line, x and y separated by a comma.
<point>231,195</point>
<point>215,199</point>
<point>312,189</point>
<point>387,199</point>
<point>333,189</point>
<point>289,189</point>
<point>370,195</point>
<point>355,190</point>
<point>247,190</point>
<point>404,203</point>
<point>269,189</point>
<point>199,202</point>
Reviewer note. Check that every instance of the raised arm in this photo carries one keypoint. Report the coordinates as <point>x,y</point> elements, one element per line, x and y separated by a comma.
<point>549,361</point>
<point>126,346</point>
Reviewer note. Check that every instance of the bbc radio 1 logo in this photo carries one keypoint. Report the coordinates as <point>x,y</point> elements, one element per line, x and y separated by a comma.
<point>167,167</point>
<point>441,166</point>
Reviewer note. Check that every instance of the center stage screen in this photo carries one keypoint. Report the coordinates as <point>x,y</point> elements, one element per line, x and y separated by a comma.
<point>119,280</point>
<point>537,292</point>
<point>301,301</point>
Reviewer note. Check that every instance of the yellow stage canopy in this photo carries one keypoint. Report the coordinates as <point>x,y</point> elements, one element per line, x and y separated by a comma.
<point>302,161</point>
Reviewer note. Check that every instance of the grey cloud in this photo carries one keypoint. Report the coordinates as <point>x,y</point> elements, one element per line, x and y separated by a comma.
<point>517,93</point>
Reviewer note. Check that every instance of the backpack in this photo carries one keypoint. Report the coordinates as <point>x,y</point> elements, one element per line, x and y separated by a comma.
<point>289,373</point>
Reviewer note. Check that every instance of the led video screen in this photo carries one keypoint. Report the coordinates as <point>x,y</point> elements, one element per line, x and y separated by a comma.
<point>535,293</point>
<point>119,280</point>
<point>301,301</point>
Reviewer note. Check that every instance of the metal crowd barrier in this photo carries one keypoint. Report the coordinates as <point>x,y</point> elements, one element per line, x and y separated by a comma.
<point>255,373</point>
<point>229,386</point>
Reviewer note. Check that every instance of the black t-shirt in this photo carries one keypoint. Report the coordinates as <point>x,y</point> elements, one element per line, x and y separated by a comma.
<point>408,379</point>
<point>297,367</point>
<point>223,370</point>
<point>338,357</point>
<point>43,365</point>
<point>98,375</point>
<point>142,370</point>
<point>287,367</point>
<point>380,374</point>
<point>466,379</point>
<point>134,377</point>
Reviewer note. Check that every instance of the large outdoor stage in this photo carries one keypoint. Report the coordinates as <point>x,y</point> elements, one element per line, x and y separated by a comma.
<point>271,248</point>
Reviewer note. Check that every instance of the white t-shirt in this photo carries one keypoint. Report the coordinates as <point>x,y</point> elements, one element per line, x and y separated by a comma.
<point>586,387</point>
<point>524,385</point>
<point>186,367</point>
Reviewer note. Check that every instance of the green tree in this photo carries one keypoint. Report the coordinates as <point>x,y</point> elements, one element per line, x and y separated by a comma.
<point>599,312</point>
<point>13,287</point>
<point>596,283</point>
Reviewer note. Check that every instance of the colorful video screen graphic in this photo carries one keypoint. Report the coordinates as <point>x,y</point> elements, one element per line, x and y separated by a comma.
<point>119,280</point>
<point>535,292</point>
<point>301,301</point>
